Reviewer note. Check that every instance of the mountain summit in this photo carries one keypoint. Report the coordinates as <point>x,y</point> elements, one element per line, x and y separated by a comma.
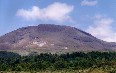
<point>48,38</point>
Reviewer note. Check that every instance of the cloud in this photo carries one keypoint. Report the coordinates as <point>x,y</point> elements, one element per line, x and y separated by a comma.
<point>102,29</point>
<point>89,3</point>
<point>56,12</point>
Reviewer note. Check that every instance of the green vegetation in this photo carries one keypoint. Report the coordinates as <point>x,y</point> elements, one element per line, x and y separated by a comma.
<point>90,62</point>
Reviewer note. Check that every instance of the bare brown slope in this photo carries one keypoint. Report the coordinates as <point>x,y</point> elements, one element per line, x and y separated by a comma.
<point>52,38</point>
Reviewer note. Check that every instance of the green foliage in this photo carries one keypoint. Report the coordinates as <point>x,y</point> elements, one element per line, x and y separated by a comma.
<point>75,61</point>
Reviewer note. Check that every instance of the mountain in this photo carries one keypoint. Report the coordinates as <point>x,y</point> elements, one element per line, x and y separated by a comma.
<point>52,39</point>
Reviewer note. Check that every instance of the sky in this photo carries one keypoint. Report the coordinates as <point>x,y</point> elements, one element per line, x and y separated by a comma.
<point>97,17</point>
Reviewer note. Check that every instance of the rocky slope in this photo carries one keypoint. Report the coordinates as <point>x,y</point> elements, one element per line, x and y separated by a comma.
<point>52,38</point>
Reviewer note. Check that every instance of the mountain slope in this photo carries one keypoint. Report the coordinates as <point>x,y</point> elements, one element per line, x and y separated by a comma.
<point>52,38</point>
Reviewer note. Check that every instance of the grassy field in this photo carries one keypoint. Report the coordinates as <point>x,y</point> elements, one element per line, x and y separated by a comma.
<point>90,70</point>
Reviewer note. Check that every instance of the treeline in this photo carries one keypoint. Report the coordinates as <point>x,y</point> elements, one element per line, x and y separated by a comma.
<point>73,61</point>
